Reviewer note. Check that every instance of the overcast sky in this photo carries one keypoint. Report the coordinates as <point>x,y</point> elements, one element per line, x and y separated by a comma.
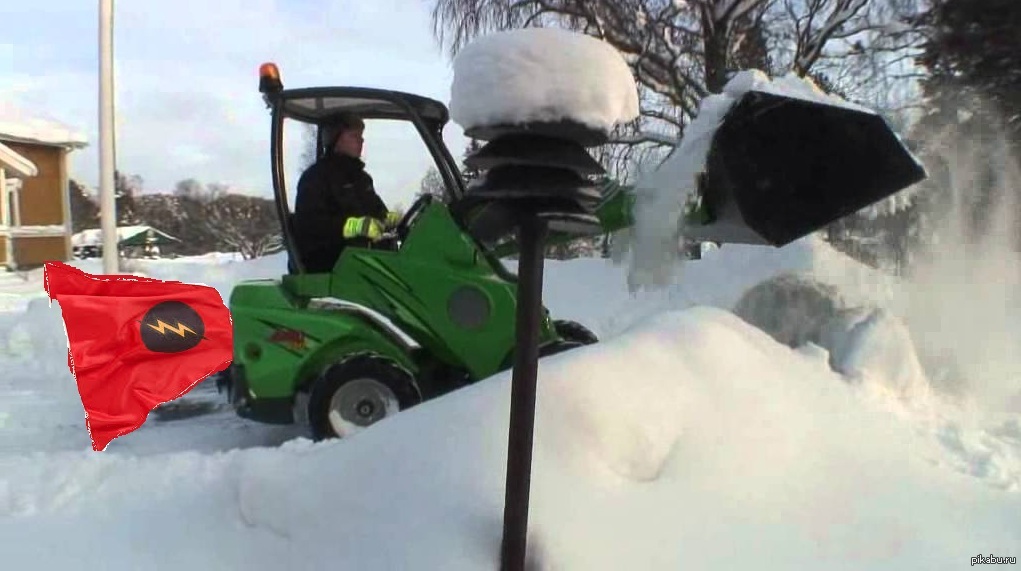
<point>186,80</point>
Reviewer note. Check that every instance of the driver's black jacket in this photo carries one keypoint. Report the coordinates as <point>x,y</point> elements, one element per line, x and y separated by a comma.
<point>330,191</point>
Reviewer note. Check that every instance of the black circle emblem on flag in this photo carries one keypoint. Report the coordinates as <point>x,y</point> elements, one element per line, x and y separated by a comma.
<point>172,327</point>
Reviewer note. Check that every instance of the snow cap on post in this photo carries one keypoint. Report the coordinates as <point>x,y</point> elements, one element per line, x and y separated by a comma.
<point>542,76</point>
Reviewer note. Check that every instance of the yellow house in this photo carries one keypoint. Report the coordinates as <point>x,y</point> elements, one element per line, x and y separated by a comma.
<point>35,210</point>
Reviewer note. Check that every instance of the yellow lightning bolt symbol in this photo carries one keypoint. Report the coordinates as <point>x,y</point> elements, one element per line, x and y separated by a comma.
<point>162,327</point>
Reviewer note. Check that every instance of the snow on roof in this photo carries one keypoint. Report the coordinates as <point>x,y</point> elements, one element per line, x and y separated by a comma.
<point>16,124</point>
<point>542,74</point>
<point>94,236</point>
<point>15,162</point>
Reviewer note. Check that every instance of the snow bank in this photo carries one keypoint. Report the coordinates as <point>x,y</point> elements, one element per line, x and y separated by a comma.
<point>865,343</point>
<point>729,451</point>
<point>542,75</point>
<point>879,349</point>
<point>18,124</point>
<point>686,439</point>
<point>718,280</point>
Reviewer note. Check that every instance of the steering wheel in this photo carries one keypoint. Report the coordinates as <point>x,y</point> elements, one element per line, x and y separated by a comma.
<point>404,226</point>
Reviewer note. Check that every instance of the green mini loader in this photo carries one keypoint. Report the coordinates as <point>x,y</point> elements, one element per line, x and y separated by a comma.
<point>432,308</point>
<point>411,317</point>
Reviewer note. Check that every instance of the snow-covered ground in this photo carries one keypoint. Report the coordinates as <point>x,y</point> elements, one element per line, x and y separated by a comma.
<point>686,439</point>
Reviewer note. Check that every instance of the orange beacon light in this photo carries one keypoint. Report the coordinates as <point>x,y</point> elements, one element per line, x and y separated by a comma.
<point>269,78</point>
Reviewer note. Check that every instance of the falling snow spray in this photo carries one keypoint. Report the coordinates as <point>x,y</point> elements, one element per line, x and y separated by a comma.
<point>963,300</point>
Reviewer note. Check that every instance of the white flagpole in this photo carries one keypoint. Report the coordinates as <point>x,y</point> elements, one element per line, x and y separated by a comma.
<point>107,198</point>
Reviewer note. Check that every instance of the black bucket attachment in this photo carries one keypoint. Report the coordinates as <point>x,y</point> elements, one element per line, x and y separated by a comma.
<point>781,168</point>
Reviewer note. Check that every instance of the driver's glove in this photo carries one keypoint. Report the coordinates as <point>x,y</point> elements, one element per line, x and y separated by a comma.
<point>392,218</point>
<point>363,227</point>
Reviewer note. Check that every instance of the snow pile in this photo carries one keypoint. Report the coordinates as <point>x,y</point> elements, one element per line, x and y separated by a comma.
<point>720,279</point>
<point>878,349</point>
<point>865,343</point>
<point>17,124</point>
<point>682,411</point>
<point>795,470</point>
<point>542,75</point>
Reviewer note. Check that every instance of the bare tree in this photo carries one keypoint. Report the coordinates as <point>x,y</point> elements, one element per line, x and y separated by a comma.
<point>862,49</point>
<point>246,224</point>
<point>126,188</point>
<point>189,188</point>
<point>432,183</point>
<point>217,190</point>
<point>683,50</point>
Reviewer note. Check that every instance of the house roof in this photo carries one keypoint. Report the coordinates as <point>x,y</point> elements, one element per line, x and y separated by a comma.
<point>15,162</point>
<point>126,235</point>
<point>20,126</point>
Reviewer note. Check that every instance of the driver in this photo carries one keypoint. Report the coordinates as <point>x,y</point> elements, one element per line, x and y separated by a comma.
<point>336,204</point>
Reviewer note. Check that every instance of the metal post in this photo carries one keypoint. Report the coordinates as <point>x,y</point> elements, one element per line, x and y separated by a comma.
<point>531,236</point>
<point>107,198</point>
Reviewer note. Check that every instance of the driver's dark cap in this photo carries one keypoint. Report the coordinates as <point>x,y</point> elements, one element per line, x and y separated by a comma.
<point>340,124</point>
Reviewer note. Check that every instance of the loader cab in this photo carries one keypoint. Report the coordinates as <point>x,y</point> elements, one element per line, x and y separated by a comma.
<point>316,107</point>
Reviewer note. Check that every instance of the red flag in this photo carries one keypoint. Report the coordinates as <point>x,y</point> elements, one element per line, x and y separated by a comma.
<point>136,343</point>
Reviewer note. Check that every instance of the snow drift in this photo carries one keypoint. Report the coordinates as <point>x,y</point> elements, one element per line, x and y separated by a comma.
<point>688,438</point>
<point>728,451</point>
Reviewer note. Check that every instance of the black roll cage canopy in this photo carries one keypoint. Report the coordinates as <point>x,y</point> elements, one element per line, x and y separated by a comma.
<point>320,105</point>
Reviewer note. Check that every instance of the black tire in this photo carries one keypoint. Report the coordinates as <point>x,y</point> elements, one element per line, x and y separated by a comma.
<point>373,384</point>
<point>572,335</point>
<point>575,332</point>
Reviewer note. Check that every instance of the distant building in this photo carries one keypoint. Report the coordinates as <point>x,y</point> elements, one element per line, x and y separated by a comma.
<point>35,211</point>
<point>132,242</point>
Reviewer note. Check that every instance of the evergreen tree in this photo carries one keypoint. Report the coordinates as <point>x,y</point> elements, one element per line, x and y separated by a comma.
<point>973,57</point>
<point>125,188</point>
<point>972,131</point>
<point>84,210</point>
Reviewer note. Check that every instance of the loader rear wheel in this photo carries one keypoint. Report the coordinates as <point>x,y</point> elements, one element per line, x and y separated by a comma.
<point>358,392</point>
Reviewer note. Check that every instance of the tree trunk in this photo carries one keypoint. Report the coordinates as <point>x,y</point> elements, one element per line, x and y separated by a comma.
<point>715,45</point>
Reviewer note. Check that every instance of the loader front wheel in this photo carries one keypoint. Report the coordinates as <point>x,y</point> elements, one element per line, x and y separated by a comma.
<point>355,393</point>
